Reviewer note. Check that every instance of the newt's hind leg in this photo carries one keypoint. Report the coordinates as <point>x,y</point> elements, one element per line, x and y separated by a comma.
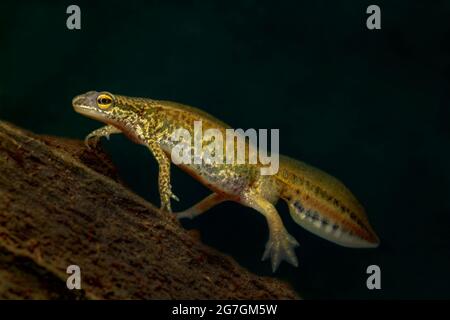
<point>202,206</point>
<point>281,244</point>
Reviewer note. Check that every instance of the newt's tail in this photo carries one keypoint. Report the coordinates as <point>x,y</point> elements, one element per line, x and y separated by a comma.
<point>324,206</point>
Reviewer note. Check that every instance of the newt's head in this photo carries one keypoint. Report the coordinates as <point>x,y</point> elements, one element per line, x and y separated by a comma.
<point>106,107</point>
<point>93,104</point>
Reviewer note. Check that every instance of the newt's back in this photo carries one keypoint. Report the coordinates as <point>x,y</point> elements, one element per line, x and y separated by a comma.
<point>184,115</point>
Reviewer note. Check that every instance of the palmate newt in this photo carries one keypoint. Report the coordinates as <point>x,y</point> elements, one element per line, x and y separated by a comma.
<point>317,201</point>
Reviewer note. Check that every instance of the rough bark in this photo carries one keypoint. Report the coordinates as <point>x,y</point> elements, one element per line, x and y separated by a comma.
<point>62,204</point>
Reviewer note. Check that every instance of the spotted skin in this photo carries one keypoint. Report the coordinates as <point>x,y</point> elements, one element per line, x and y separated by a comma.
<point>317,201</point>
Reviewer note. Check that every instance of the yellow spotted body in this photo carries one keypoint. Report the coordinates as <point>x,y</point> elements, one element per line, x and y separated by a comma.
<point>317,201</point>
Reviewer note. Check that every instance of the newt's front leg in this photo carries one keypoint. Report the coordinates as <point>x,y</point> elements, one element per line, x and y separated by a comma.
<point>165,188</point>
<point>100,132</point>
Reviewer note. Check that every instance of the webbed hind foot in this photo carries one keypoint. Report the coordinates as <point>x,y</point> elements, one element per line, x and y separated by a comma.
<point>281,246</point>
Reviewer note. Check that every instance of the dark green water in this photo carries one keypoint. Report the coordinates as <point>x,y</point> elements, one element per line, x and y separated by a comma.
<point>369,107</point>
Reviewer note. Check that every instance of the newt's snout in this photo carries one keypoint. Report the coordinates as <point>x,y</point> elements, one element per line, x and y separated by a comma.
<point>84,100</point>
<point>78,100</point>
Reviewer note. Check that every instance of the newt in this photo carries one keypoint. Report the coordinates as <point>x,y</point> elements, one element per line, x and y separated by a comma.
<point>317,201</point>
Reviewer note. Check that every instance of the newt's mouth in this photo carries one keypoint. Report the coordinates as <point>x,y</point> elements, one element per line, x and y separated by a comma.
<point>89,112</point>
<point>86,111</point>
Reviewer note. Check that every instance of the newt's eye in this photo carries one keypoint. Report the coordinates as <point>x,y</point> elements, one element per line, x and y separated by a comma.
<point>104,101</point>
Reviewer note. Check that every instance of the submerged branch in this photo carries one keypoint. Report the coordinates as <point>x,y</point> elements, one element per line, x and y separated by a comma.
<point>62,204</point>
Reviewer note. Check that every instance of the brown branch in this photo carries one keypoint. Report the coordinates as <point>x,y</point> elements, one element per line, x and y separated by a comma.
<point>61,204</point>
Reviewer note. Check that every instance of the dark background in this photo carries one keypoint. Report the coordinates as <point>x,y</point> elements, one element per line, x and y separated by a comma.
<point>369,107</point>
